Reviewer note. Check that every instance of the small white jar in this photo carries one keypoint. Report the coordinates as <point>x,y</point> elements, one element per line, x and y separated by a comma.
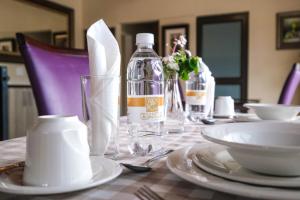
<point>57,152</point>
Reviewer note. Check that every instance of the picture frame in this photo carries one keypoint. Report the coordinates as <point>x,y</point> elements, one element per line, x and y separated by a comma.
<point>169,33</point>
<point>288,30</point>
<point>8,45</point>
<point>61,39</point>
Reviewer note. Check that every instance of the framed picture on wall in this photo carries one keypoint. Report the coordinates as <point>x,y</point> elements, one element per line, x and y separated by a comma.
<point>288,30</point>
<point>171,32</point>
<point>61,39</point>
<point>7,44</point>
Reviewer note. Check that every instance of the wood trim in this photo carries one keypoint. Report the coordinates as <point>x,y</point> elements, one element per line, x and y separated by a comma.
<point>242,17</point>
<point>61,9</point>
<point>11,58</point>
<point>19,86</point>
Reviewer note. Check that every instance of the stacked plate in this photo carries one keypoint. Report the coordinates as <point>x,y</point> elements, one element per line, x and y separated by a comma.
<point>259,160</point>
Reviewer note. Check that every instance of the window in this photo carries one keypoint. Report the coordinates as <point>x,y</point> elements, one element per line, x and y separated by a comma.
<point>222,42</point>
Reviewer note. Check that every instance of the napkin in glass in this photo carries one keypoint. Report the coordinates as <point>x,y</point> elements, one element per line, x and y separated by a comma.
<point>104,60</point>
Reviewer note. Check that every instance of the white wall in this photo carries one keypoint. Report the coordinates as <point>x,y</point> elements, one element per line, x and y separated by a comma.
<point>268,67</point>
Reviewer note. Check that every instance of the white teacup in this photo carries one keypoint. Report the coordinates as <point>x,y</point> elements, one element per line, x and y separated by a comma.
<point>224,106</point>
<point>57,152</point>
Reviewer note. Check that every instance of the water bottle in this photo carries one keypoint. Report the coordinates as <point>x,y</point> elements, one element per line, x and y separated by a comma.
<point>145,98</point>
<point>196,96</point>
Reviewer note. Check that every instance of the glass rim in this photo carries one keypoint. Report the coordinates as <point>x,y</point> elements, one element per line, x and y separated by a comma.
<point>99,76</point>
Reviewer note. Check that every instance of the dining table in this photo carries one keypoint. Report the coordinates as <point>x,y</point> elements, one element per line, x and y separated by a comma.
<point>160,179</point>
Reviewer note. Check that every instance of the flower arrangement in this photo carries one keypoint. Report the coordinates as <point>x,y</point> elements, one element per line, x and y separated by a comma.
<point>180,61</point>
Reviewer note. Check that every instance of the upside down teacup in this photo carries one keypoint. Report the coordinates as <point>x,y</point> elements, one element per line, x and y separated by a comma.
<point>57,152</point>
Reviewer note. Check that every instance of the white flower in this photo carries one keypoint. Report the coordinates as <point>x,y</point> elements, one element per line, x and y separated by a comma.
<point>182,40</point>
<point>173,66</point>
<point>166,60</point>
<point>170,63</point>
<point>188,53</point>
<point>175,54</point>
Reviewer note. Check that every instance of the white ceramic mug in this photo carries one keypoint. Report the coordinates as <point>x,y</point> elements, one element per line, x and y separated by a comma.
<point>224,106</point>
<point>57,152</point>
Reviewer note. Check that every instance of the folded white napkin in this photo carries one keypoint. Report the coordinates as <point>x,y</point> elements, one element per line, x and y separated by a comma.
<point>104,59</point>
<point>210,89</point>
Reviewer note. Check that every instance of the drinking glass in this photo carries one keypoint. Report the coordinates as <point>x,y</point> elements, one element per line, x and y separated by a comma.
<point>101,113</point>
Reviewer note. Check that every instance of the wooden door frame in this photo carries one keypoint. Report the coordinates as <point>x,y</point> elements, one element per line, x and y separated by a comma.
<point>242,17</point>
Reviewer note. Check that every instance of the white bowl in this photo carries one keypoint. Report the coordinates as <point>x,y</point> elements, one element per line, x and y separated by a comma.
<point>274,111</point>
<point>266,147</point>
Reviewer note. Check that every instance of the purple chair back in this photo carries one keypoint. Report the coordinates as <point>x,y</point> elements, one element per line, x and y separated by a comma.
<point>290,85</point>
<point>54,74</point>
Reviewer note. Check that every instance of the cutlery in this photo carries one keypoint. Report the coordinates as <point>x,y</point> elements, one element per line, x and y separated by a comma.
<point>208,121</point>
<point>12,166</point>
<point>145,167</point>
<point>146,193</point>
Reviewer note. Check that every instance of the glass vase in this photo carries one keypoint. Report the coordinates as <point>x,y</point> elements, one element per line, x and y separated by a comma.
<point>174,113</point>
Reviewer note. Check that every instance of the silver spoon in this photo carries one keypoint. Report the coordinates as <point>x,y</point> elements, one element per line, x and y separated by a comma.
<point>145,167</point>
<point>208,121</point>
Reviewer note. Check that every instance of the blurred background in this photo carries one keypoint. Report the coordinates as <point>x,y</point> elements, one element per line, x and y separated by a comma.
<point>249,45</point>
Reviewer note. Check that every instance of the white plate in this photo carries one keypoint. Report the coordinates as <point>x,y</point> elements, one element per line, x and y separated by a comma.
<point>216,160</point>
<point>246,117</point>
<point>180,163</point>
<point>104,170</point>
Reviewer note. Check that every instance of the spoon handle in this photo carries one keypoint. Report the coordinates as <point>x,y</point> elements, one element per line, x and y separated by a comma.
<point>165,153</point>
<point>12,166</point>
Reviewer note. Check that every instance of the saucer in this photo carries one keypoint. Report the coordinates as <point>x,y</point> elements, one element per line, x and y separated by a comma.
<point>245,117</point>
<point>180,163</point>
<point>104,170</point>
<point>216,160</point>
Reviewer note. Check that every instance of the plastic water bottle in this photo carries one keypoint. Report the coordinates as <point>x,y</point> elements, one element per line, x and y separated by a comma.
<point>196,97</point>
<point>145,98</point>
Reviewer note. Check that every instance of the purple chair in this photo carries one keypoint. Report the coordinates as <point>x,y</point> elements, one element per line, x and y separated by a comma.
<point>54,74</point>
<point>290,85</point>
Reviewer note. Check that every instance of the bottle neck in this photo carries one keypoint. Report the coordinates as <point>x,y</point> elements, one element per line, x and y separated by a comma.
<point>144,46</point>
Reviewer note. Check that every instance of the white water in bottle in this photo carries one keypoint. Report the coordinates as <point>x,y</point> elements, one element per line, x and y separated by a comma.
<point>145,98</point>
<point>196,97</point>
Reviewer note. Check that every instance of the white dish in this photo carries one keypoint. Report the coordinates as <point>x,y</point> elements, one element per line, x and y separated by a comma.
<point>274,111</point>
<point>216,160</point>
<point>266,147</point>
<point>103,169</point>
<point>245,117</point>
<point>180,163</point>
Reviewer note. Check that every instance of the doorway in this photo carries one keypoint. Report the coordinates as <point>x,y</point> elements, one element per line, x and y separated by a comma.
<point>222,42</point>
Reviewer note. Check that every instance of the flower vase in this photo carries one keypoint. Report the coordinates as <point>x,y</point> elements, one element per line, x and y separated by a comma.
<point>174,113</point>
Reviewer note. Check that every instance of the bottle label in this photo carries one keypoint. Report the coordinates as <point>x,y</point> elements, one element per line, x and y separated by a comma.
<point>196,97</point>
<point>145,108</point>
